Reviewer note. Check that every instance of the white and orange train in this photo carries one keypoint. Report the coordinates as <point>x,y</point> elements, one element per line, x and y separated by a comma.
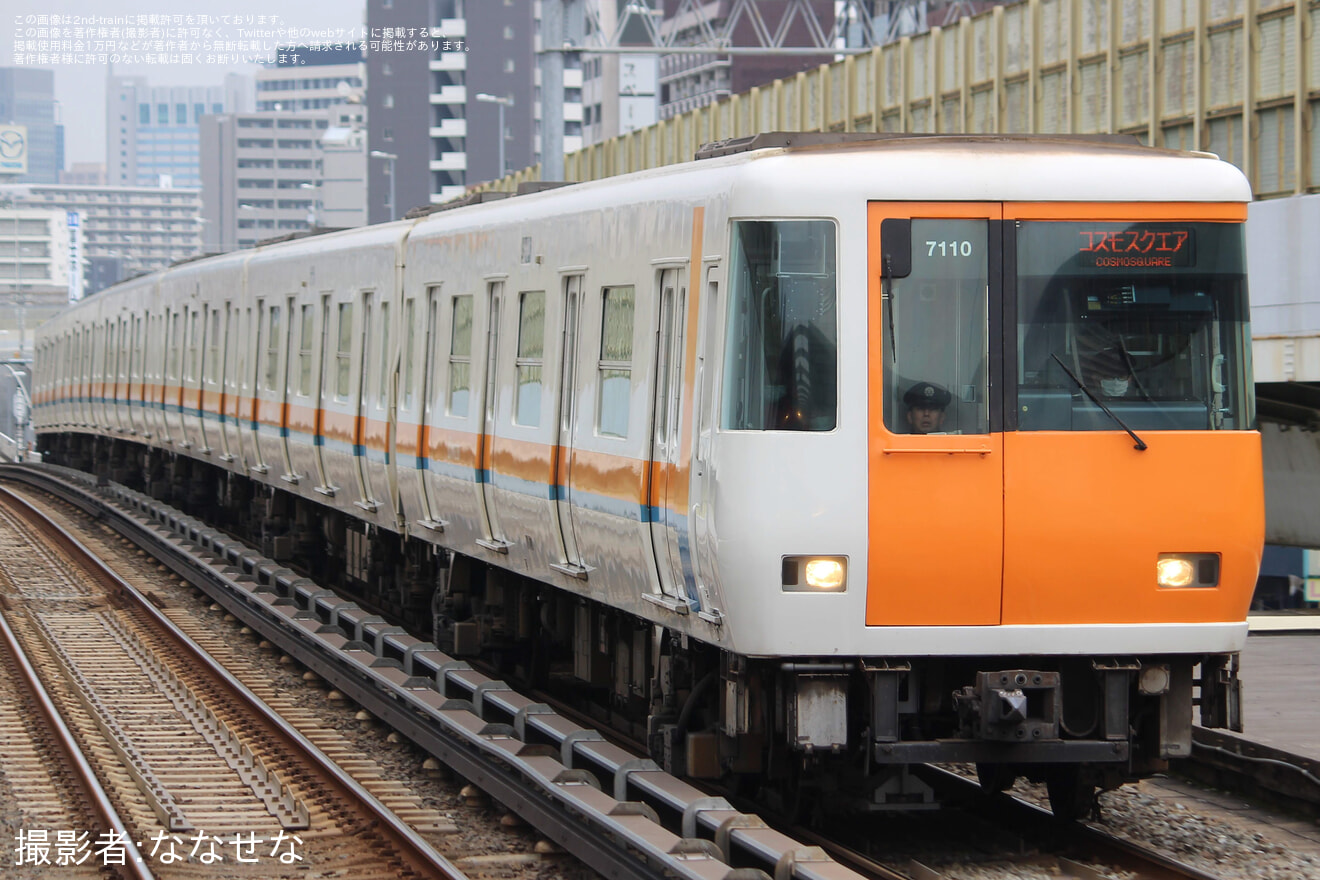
<point>650,435</point>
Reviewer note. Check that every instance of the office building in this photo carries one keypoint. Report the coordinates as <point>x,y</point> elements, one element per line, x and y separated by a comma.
<point>125,230</point>
<point>152,133</point>
<point>36,264</point>
<point>268,174</point>
<point>27,98</point>
<point>306,78</point>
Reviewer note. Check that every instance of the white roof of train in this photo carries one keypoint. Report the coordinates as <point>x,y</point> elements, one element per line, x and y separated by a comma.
<point>810,180</point>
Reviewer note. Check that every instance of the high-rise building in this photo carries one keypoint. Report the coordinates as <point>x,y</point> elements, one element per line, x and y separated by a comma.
<point>35,265</point>
<point>128,229</point>
<point>152,132</point>
<point>620,93</point>
<point>27,98</point>
<point>268,174</point>
<point>310,78</point>
<point>455,142</point>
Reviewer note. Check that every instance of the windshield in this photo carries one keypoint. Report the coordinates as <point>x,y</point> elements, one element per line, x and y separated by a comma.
<point>1151,317</point>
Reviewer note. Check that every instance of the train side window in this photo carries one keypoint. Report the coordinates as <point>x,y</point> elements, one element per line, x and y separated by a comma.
<point>935,323</point>
<point>344,352</point>
<point>781,356</point>
<point>305,340</point>
<point>531,350</point>
<point>460,357</point>
<point>615,367</point>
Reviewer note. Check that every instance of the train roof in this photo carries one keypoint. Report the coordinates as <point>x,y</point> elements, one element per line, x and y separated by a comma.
<point>810,173</point>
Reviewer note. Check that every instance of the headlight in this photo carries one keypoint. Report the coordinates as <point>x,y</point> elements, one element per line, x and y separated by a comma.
<point>1187,570</point>
<point>824,574</point>
<point>1174,572</point>
<point>815,574</point>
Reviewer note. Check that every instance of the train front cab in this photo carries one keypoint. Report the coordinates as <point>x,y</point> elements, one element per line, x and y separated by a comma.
<point>1092,499</point>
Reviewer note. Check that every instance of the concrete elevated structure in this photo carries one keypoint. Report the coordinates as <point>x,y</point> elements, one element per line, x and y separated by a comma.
<point>1283,264</point>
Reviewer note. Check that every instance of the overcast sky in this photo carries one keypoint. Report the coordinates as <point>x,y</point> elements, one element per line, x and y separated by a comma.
<point>80,85</point>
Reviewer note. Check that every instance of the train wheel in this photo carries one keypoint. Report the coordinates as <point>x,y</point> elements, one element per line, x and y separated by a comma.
<point>1072,793</point>
<point>995,778</point>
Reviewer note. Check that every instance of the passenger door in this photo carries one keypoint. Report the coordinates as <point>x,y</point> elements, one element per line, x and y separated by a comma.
<point>667,495</point>
<point>563,463</point>
<point>368,499</point>
<point>936,500</point>
<point>494,539</point>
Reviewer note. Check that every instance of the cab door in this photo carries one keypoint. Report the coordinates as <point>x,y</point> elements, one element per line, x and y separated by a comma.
<point>935,499</point>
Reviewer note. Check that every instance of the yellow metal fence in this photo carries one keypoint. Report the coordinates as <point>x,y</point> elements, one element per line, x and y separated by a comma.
<point>1240,78</point>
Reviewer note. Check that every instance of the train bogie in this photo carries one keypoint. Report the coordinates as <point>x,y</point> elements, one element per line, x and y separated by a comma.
<point>804,459</point>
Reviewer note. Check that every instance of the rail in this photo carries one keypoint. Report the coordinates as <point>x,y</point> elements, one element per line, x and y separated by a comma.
<point>616,811</point>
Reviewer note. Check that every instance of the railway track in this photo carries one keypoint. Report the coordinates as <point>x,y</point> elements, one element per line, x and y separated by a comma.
<point>538,763</point>
<point>203,773</point>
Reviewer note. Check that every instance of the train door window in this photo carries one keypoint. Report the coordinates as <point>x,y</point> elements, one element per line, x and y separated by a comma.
<point>460,357</point>
<point>344,352</point>
<point>305,330</point>
<point>384,385</point>
<point>615,366</point>
<point>781,367</point>
<point>936,331</point>
<point>194,346</point>
<point>273,349</point>
<point>212,364</point>
<point>176,341</point>
<point>110,369</point>
<point>124,350</point>
<point>531,350</point>
<point>410,339</point>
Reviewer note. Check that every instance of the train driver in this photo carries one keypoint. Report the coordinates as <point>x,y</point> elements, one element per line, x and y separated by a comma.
<point>926,402</point>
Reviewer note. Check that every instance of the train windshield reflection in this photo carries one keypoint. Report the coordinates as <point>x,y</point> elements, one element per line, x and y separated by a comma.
<point>1152,317</point>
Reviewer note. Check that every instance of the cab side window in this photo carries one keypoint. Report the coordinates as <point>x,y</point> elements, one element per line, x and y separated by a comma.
<point>781,354</point>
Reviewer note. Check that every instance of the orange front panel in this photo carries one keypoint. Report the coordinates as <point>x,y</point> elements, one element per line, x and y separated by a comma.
<point>935,536</point>
<point>1086,517</point>
<point>935,502</point>
<point>1134,211</point>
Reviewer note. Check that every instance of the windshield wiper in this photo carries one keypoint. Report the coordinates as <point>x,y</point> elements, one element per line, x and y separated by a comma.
<point>1141,444</point>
